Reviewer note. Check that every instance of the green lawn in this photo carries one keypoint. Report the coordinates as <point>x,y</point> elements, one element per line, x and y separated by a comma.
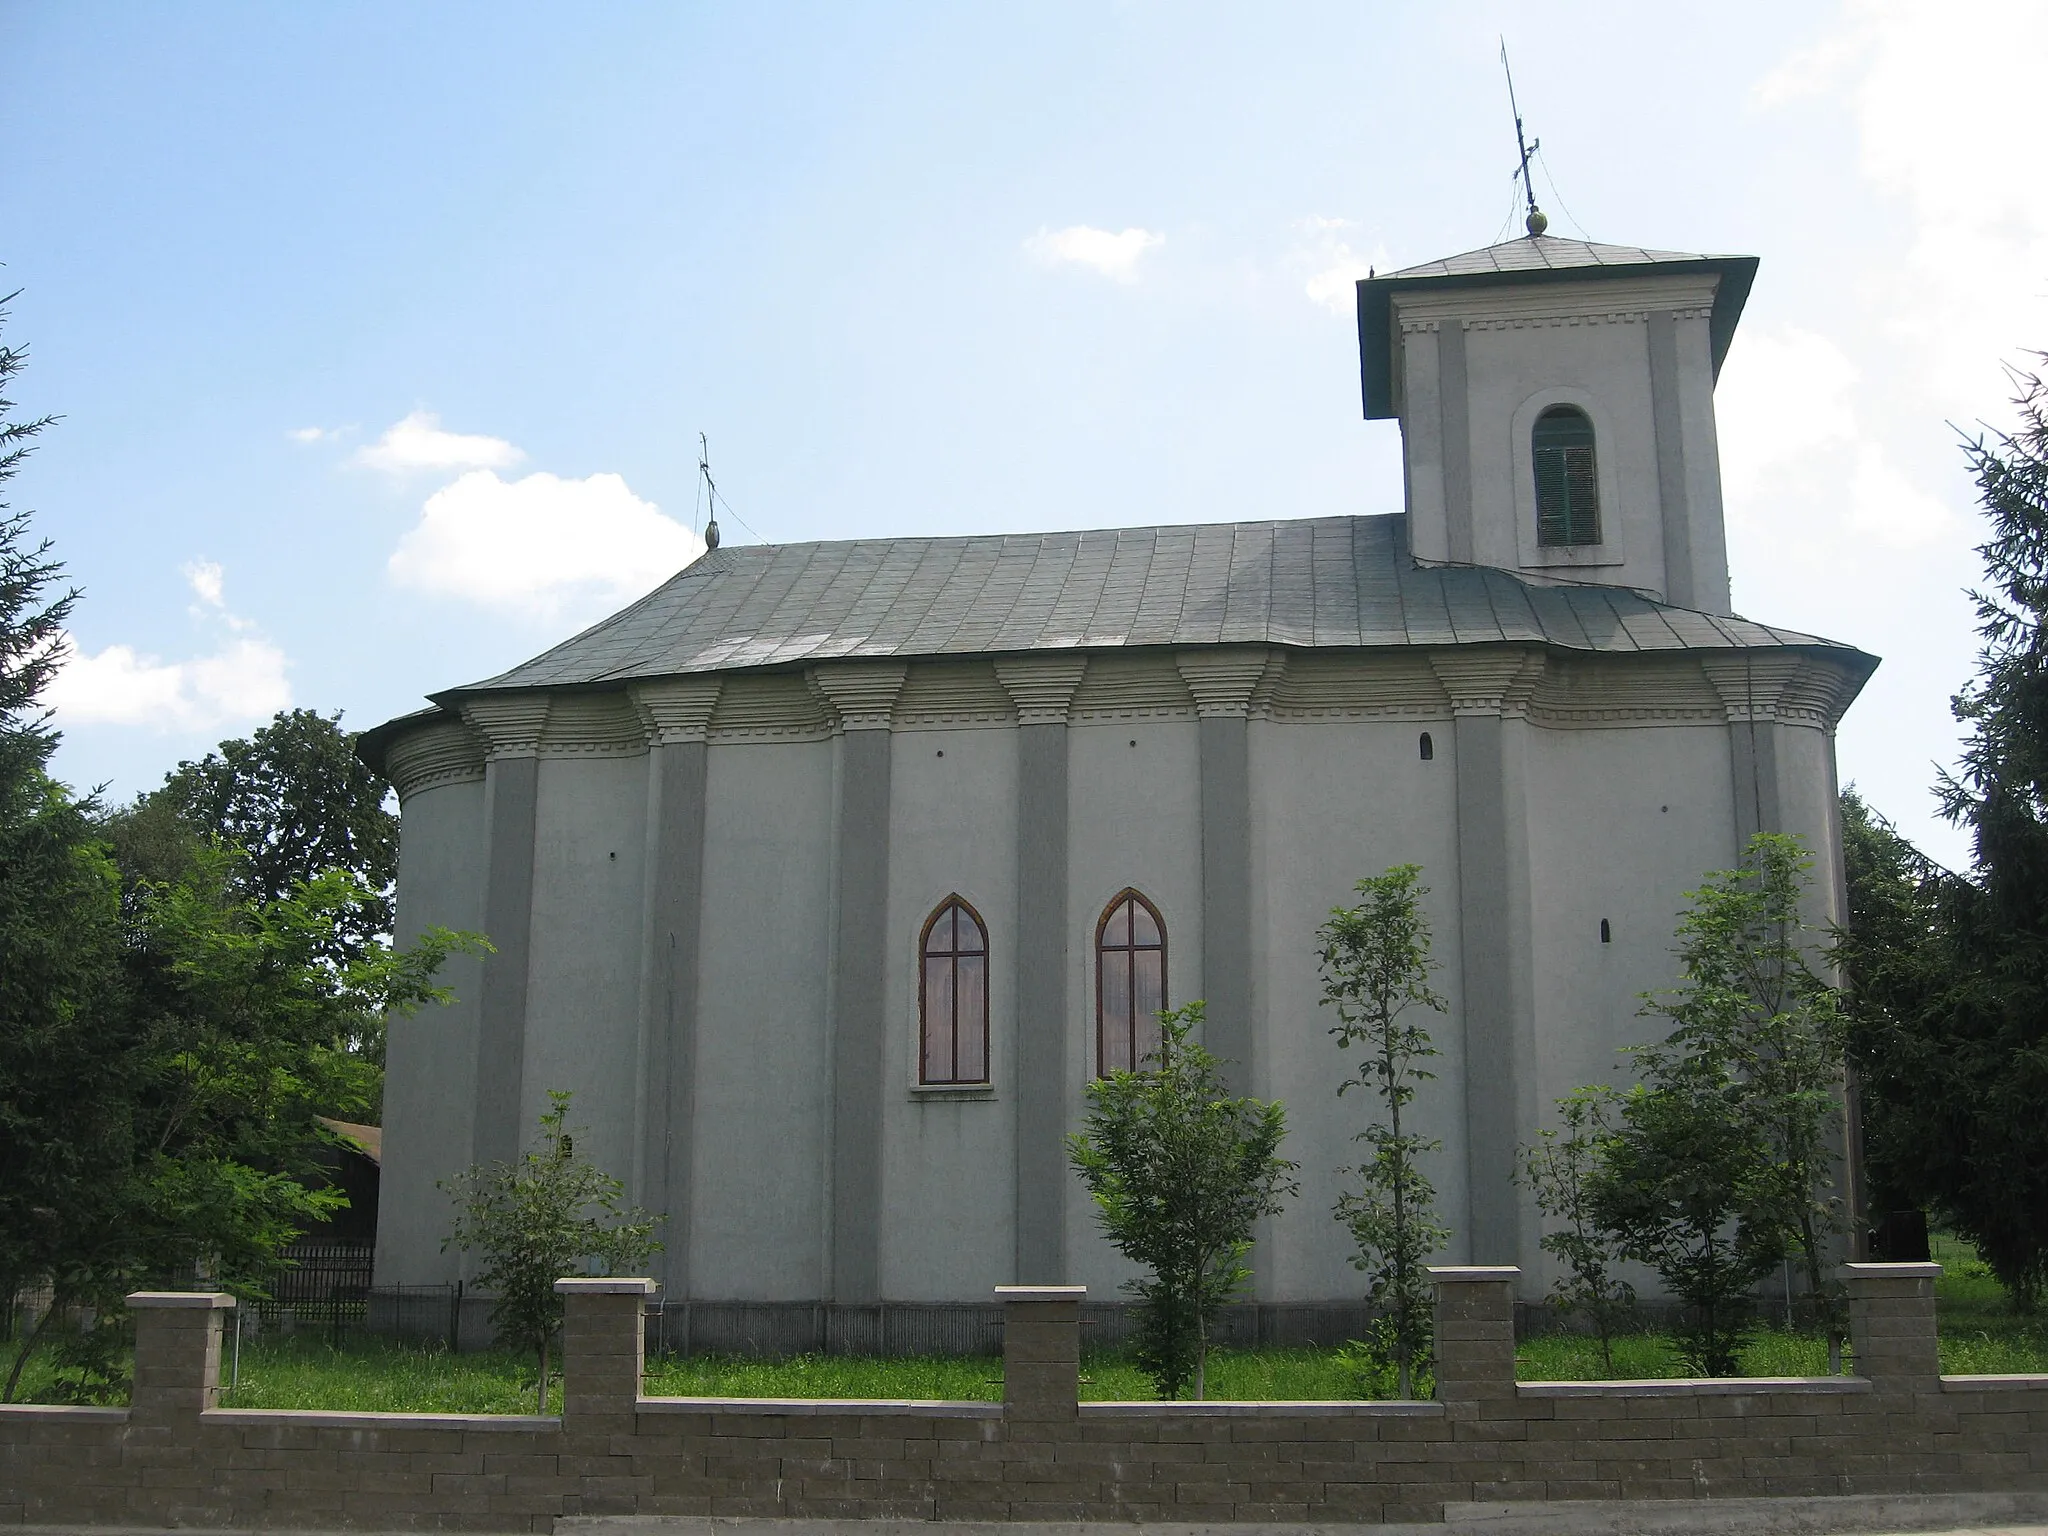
<point>1980,1334</point>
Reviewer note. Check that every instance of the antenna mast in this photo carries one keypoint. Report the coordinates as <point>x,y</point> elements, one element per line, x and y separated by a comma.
<point>1536,222</point>
<point>711,491</point>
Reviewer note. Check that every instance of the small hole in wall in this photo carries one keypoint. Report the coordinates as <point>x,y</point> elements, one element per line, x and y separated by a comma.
<point>1134,743</point>
<point>1428,747</point>
<point>1606,933</point>
<point>613,854</point>
<point>942,751</point>
<point>1664,808</point>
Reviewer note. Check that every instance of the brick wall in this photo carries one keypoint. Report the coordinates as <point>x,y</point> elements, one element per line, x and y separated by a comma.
<point>172,1458</point>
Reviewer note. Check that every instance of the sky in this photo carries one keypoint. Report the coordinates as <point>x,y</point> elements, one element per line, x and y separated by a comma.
<point>382,334</point>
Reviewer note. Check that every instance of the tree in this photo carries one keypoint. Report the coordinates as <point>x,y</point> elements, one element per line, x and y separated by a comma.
<point>1560,1170</point>
<point>1180,1173</point>
<point>166,1126</point>
<point>1723,1156</point>
<point>294,799</point>
<point>1375,967</point>
<point>1981,1034</point>
<point>549,1215</point>
<point>32,619</point>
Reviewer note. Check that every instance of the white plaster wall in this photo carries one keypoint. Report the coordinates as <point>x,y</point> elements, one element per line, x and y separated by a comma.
<point>1333,802</point>
<point>762,1108</point>
<point>1133,819</point>
<point>1809,807</point>
<point>1622,824</point>
<point>1604,368</point>
<point>430,1072</point>
<point>583,978</point>
<point>948,1162</point>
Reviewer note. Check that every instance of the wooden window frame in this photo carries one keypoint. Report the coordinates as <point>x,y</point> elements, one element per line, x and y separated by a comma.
<point>924,1019</point>
<point>1115,904</point>
<point>1567,533</point>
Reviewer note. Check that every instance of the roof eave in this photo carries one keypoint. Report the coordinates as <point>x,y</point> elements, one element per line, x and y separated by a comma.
<point>1375,308</point>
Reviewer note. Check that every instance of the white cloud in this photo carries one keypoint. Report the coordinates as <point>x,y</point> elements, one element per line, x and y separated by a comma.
<point>541,546</point>
<point>1330,266</point>
<point>206,579</point>
<point>1113,255</point>
<point>243,680</point>
<point>313,434</point>
<point>418,442</point>
<point>1794,446</point>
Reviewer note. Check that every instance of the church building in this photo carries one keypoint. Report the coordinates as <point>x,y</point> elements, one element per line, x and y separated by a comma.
<point>828,875</point>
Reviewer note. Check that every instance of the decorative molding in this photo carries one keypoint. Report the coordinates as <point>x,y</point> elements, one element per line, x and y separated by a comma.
<point>593,725</point>
<point>1133,686</point>
<point>952,694</point>
<point>1041,688</point>
<point>509,723</point>
<point>1532,322</point>
<point>1488,681</point>
<point>1223,679</point>
<point>676,709</point>
<point>861,695</point>
<point>438,752</point>
<point>1575,691</point>
<point>769,706</point>
<point>1351,685</point>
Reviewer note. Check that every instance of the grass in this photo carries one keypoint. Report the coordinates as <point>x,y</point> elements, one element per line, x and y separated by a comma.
<point>1981,1334</point>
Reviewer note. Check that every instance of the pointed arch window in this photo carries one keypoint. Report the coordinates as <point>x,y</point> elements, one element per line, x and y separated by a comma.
<point>1567,478</point>
<point>1130,982</point>
<point>952,997</point>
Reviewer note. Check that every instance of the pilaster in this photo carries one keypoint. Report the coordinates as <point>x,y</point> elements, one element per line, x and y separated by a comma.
<point>862,696</point>
<point>1892,1325</point>
<point>1224,682</point>
<point>510,727</point>
<point>1042,690</point>
<point>1752,685</point>
<point>676,714</point>
<point>1489,692</point>
<point>1475,1336</point>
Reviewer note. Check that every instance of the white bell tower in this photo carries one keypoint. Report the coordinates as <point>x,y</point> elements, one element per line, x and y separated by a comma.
<point>1556,401</point>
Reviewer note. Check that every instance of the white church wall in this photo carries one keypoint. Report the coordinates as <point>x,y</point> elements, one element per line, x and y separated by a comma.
<point>1133,819</point>
<point>430,1073</point>
<point>948,1154</point>
<point>762,1110</point>
<point>583,980</point>
<point>1808,807</point>
<point>1630,819</point>
<point>1514,353</point>
<point>1333,802</point>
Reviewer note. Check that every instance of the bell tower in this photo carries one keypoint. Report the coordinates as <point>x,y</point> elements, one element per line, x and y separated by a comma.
<point>1556,401</point>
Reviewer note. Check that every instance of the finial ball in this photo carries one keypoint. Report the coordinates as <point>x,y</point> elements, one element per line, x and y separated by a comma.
<point>711,534</point>
<point>1536,221</point>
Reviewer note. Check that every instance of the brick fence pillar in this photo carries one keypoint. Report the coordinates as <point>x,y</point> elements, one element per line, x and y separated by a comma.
<point>1891,1324</point>
<point>1041,1352</point>
<point>177,1353</point>
<point>604,1345</point>
<point>1475,1332</point>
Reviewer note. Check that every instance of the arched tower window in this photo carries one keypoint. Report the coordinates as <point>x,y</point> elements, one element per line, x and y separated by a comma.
<point>1567,478</point>
<point>952,997</point>
<point>1130,982</point>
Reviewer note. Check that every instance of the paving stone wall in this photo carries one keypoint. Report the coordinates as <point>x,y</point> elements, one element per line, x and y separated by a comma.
<point>172,1458</point>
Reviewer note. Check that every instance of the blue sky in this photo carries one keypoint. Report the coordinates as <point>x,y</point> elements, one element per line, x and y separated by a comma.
<point>382,334</point>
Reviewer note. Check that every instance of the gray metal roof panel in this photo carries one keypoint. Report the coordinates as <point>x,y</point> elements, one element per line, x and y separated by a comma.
<point>1335,581</point>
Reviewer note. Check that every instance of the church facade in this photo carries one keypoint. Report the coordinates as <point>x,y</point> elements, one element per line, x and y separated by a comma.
<point>827,875</point>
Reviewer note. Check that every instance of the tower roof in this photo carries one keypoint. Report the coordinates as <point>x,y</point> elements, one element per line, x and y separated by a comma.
<point>1534,259</point>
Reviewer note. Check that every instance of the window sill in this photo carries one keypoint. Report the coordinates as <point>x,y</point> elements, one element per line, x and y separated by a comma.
<point>927,1091</point>
<point>1572,555</point>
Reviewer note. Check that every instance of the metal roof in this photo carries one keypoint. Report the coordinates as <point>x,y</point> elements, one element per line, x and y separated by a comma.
<point>1332,581</point>
<point>1534,259</point>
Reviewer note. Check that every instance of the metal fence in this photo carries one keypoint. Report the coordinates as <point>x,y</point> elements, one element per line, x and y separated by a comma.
<point>770,1329</point>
